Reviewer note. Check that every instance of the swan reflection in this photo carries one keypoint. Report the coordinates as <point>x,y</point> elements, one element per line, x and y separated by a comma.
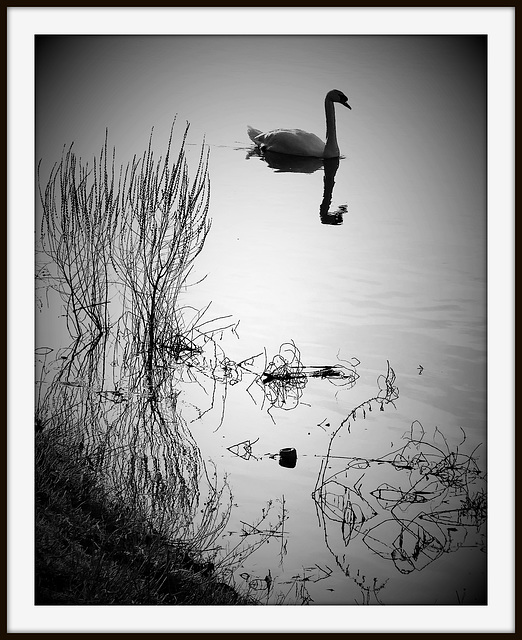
<point>330,217</point>
<point>285,163</point>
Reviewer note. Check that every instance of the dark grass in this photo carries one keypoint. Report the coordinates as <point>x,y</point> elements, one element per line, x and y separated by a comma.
<point>90,550</point>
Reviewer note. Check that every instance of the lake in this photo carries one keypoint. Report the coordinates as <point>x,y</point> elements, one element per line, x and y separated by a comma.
<point>352,294</point>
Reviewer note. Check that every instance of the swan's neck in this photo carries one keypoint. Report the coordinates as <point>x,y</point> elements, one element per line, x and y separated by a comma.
<point>331,149</point>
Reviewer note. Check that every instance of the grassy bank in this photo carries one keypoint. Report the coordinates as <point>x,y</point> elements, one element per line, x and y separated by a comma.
<point>91,551</point>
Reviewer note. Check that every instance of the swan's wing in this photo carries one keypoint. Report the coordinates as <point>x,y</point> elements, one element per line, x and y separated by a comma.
<point>253,133</point>
<point>291,141</point>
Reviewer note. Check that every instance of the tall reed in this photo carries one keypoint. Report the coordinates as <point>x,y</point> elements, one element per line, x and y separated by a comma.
<point>119,245</point>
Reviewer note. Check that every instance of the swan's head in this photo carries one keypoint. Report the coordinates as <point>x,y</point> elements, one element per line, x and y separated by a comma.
<point>338,96</point>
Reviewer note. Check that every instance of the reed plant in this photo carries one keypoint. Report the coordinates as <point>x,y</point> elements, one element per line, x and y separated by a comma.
<point>115,458</point>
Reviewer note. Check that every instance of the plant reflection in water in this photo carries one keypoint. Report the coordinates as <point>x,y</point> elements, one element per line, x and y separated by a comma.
<point>284,378</point>
<point>117,247</point>
<point>433,501</point>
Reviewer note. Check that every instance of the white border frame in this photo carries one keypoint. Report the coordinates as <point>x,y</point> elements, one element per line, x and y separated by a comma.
<point>499,25</point>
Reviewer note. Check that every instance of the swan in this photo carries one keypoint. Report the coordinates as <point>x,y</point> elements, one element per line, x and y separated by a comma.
<point>297,142</point>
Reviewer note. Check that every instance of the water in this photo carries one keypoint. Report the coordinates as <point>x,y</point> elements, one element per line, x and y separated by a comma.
<point>401,280</point>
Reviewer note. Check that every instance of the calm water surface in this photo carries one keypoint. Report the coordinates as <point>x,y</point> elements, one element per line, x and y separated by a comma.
<point>401,279</point>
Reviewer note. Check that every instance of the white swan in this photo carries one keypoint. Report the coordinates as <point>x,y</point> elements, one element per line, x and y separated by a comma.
<point>297,142</point>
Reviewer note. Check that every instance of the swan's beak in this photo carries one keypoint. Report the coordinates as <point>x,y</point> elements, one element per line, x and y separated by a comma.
<point>346,105</point>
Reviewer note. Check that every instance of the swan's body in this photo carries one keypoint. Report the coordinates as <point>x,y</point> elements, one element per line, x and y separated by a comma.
<point>294,142</point>
<point>301,143</point>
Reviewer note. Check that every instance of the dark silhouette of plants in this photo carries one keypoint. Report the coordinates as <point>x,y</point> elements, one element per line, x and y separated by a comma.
<point>117,245</point>
<point>433,498</point>
<point>284,378</point>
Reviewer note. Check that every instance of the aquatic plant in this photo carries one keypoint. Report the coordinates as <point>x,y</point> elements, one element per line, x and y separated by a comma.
<point>432,499</point>
<point>118,245</point>
<point>284,378</point>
